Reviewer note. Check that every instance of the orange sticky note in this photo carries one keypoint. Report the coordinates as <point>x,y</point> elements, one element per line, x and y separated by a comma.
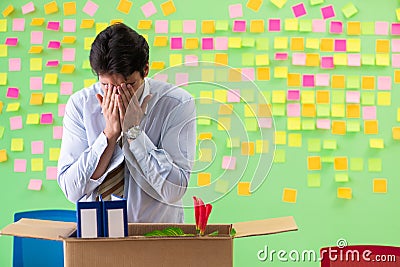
<point>297,43</point>
<point>3,155</point>
<point>257,26</point>
<point>382,46</point>
<point>69,8</point>
<point>144,24</point>
<point>339,127</point>
<point>312,59</point>
<point>191,43</point>
<point>353,111</point>
<point>263,74</point>
<point>247,148</point>
<point>293,79</point>
<point>353,28</point>
<point>289,195</point>
<point>314,163</point>
<point>244,189</point>
<point>308,110</point>
<point>68,39</point>
<point>208,26</point>
<point>323,97</point>
<point>338,81</point>
<point>254,4</point>
<point>380,186</point>
<point>115,21</point>
<point>326,45</point>
<point>225,109</point>
<point>35,49</point>
<point>50,8</point>
<point>124,6</point>
<point>344,192</point>
<point>37,21</point>
<point>221,58</point>
<point>67,68</point>
<point>397,76</point>
<point>205,136</point>
<point>203,179</point>
<point>160,41</point>
<point>168,8</point>
<point>224,124</point>
<point>157,65</point>
<point>340,163</point>
<point>36,99</point>
<point>371,127</point>
<point>8,10</point>
<point>368,82</point>
<point>87,23</point>
<point>264,110</point>
<point>396,133</point>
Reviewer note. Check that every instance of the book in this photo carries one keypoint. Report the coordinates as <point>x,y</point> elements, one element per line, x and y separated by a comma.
<point>115,218</point>
<point>90,218</point>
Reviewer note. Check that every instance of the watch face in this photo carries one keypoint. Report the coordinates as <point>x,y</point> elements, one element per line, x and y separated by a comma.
<point>133,132</point>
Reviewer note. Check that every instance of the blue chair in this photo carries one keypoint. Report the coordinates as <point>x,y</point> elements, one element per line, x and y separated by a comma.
<point>38,252</point>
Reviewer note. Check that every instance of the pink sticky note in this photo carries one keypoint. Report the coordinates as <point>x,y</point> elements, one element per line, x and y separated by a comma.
<point>54,45</point>
<point>239,26</point>
<point>161,26</point>
<point>12,92</point>
<point>68,54</point>
<point>207,43</point>
<point>293,95</point>
<point>14,64</point>
<point>318,25</point>
<point>395,28</point>
<point>324,124</point>
<point>395,45</point>
<point>191,60</point>
<point>161,77</point>
<point>228,163</point>
<point>181,79</point>
<point>66,88</point>
<point>299,59</point>
<point>11,41</point>
<point>281,56</point>
<point>235,11</point>
<point>52,63</point>
<point>149,9</point>
<point>189,26</point>
<point>293,110</point>
<point>340,45</point>
<point>353,97</point>
<point>20,165</point>
<point>18,25</point>
<point>90,8</point>
<point>384,83</point>
<point>37,147</point>
<point>51,173</point>
<point>61,110</point>
<point>221,43</point>
<point>53,26</point>
<point>396,60</point>
<point>176,43</point>
<point>354,60</point>
<point>28,8</point>
<point>35,184</point>
<point>381,28</point>
<point>46,118</point>
<point>69,25</point>
<point>15,123</point>
<point>327,62</point>
<point>299,10</point>
<point>336,27</point>
<point>265,122</point>
<point>36,37</point>
<point>369,113</point>
<point>274,25</point>
<point>247,74</point>
<point>35,83</point>
<point>57,132</point>
<point>327,12</point>
<point>322,79</point>
<point>308,80</point>
<point>233,96</point>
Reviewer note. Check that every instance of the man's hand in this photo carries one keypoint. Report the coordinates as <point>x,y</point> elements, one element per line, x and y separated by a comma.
<point>109,106</point>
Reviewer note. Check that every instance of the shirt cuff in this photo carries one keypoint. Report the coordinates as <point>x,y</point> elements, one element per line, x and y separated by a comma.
<point>98,148</point>
<point>141,146</point>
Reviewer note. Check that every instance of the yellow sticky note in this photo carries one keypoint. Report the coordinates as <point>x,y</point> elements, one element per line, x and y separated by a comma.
<point>68,39</point>
<point>262,60</point>
<point>280,42</point>
<point>207,75</point>
<point>116,21</point>
<point>100,26</point>
<point>168,8</point>
<point>307,97</point>
<point>87,23</point>
<point>376,143</point>
<point>220,96</point>
<point>279,96</point>
<point>244,189</point>
<point>289,195</point>
<point>17,144</point>
<point>384,99</point>
<point>69,8</point>
<point>254,4</point>
<point>36,64</point>
<point>293,124</point>
<point>124,6</point>
<point>50,8</point>
<point>312,43</point>
<point>382,59</point>
<point>396,133</point>
<point>203,179</point>
<point>205,155</point>
<point>344,192</point>
<point>353,45</point>
<point>36,99</point>
<point>280,72</point>
<point>51,98</point>
<point>191,43</point>
<point>50,78</point>
<point>340,59</point>
<point>54,154</point>
<point>37,164</point>
<point>247,148</point>
<point>205,136</point>
<point>340,164</point>
<point>8,10</point>
<point>13,107</point>
<point>294,140</point>
<point>234,42</point>
<point>175,59</point>
<point>37,22</point>
<point>397,76</point>
<point>262,146</point>
<point>35,49</point>
<point>280,138</point>
<point>3,25</point>
<point>3,50</point>
<point>257,26</point>
<point>371,127</point>
<point>144,24</point>
<point>291,24</point>
<point>87,45</point>
<point>3,155</point>
<point>314,163</point>
<point>160,41</point>
<point>297,43</point>
<point>88,82</point>
<point>33,118</point>
<point>224,124</point>
<point>1,106</point>
<point>225,109</point>
<point>157,65</point>
<point>379,185</point>
<point>279,3</point>
<point>3,78</point>
<point>337,110</point>
<point>208,26</point>
<point>67,68</point>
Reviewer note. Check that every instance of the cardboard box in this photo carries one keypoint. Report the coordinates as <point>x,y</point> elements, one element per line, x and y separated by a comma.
<point>137,250</point>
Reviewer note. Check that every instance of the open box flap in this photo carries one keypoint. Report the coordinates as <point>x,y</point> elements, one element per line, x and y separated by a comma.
<point>265,227</point>
<point>44,229</point>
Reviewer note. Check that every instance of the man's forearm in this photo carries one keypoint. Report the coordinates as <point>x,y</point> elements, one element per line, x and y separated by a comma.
<point>104,159</point>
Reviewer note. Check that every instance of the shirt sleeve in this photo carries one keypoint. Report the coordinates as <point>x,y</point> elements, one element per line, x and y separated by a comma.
<point>167,168</point>
<point>78,160</point>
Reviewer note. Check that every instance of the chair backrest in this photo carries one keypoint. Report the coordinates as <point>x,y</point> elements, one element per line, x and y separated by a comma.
<point>38,252</point>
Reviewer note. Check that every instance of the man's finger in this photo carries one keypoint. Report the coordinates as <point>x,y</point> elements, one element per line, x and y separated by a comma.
<point>146,102</point>
<point>125,97</point>
<point>99,98</point>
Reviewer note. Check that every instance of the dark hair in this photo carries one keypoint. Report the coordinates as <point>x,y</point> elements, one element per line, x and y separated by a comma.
<point>119,50</point>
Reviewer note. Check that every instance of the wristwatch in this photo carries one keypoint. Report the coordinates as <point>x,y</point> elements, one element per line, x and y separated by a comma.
<point>133,132</point>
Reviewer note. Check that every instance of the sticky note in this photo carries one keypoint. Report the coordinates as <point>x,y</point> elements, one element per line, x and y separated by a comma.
<point>11,41</point>
<point>254,4</point>
<point>376,143</point>
<point>15,123</point>
<point>37,147</point>
<point>370,127</point>
<point>289,195</point>
<point>1,132</point>
<point>51,173</point>
<point>28,8</point>
<point>87,24</point>
<point>341,177</point>
<point>54,154</point>
<point>20,165</point>
<point>203,179</point>
<point>69,8</point>
<point>294,140</point>
<point>340,164</point>
<point>50,78</point>
<point>379,185</point>
<point>221,186</point>
<point>313,180</point>
<point>349,10</point>
<point>318,25</point>
<point>228,163</point>
<point>299,10</point>
<point>8,10</point>
<point>299,59</point>
<point>124,6</point>
<point>54,45</point>
<point>17,144</point>
<point>232,142</point>
<point>224,124</point>
<point>327,12</point>
<point>305,25</point>
<point>90,8</point>
<point>13,107</point>
<point>374,165</point>
<point>291,24</point>
<point>32,118</point>
<point>339,127</point>
<point>53,25</point>
<point>344,192</point>
<point>50,8</point>
<point>37,21</point>
<point>168,8</point>
<point>239,26</point>
<point>37,164</point>
<point>247,148</point>
<point>46,118</point>
<point>396,133</point>
<point>244,189</point>
<point>314,163</point>
<point>316,2</point>
<point>3,155</point>
<point>235,11</point>
<point>384,99</point>
<point>356,164</point>
<point>35,184</point>
<point>189,26</point>
<point>257,26</point>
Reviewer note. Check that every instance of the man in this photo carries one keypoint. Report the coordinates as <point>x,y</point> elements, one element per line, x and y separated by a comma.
<point>130,124</point>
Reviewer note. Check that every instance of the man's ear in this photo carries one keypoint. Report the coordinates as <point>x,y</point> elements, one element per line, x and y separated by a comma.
<point>146,70</point>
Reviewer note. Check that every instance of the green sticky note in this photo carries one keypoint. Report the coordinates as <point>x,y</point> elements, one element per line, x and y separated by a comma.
<point>248,59</point>
<point>337,97</point>
<point>353,82</point>
<point>247,95</point>
<point>316,2</point>
<point>262,44</point>
<point>1,132</point>
<point>267,97</point>
<point>368,98</point>
<point>367,28</point>
<point>368,59</point>
<point>323,110</point>
<point>248,42</point>
<point>221,25</point>
<point>356,164</point>
<point>314,180</point>
<point>305,25</point>
<point>353,126</point>
<point>207,57</point>
<point>176,26</point>
<point>278,109</point>
<point>251,124</point>
<point>203,121</point>
<point>341,177</point>
<point>86,65</point>
<point>280,156</point>
<point>329,144</point>
<point>222,75</point>
<point>374,165</point>
<point>308,124</point>
<point>327,159</point>
<point>232,142</point>
<point>349,10</point>
<point>221,186</point>
<point>314,145</point>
